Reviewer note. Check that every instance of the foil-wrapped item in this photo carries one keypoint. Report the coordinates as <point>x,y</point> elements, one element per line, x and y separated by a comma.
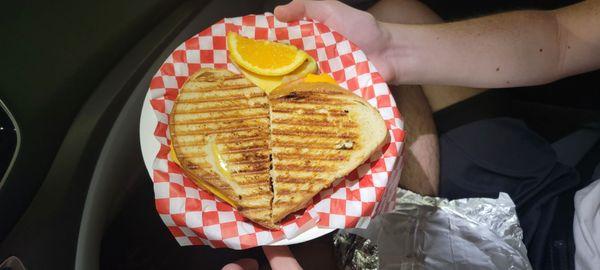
<point>434,233</point>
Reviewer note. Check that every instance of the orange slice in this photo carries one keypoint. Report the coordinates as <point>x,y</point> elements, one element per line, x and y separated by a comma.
<point>319,78</point>
<point>264,57</point>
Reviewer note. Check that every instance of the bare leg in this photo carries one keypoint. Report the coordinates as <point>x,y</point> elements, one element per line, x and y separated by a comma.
<point>421,166</point>
<point>421,158</point>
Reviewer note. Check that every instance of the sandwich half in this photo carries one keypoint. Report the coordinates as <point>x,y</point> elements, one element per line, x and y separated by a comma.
<point>220,133</point>
<point>320,132</point>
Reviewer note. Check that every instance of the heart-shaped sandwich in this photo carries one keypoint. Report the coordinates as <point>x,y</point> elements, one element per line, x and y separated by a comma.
<point>268,140</point>
<point>268,155</point>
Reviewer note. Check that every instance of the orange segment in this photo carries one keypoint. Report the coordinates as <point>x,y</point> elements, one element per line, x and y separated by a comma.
<point>319,78</point>
<point>264,57</point>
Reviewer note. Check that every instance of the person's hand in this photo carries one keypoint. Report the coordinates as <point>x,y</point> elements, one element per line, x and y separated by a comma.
<point>358,26</point>
<point>279,257</point>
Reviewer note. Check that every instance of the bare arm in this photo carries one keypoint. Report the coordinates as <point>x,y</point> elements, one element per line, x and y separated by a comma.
<point>510,49</point>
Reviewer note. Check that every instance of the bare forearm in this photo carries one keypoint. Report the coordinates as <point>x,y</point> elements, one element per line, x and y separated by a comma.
<point>504,50</point>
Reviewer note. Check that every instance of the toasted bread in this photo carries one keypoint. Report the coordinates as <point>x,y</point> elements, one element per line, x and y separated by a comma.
<point>220,133</point>
<point>269,156</point>
<point>320,132</point>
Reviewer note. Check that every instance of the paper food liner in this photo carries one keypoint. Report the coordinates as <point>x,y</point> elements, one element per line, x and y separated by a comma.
<point>195,216</point>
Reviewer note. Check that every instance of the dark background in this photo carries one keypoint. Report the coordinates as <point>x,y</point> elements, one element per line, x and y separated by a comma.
<point>55,54</point>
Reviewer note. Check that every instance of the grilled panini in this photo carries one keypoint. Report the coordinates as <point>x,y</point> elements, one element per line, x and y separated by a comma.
<point>220,133</point>
<point>320,132</point>
<point>268,156</point>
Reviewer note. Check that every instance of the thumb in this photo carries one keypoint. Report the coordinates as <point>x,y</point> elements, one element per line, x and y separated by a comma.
<point>297,9</point>
<point>243,264</point>
<point>280,258</point>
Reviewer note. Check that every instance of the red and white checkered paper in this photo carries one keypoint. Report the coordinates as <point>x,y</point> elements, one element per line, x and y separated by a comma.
<point>195,216</point>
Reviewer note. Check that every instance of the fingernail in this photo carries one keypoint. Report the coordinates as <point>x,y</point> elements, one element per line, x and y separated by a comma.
<point>232,266</point>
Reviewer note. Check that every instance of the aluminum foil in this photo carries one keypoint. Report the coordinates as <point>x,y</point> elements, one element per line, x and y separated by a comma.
<point>434,233</point>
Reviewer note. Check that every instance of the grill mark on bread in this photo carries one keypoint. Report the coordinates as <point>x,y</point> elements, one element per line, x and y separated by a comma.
<point>224,130</point>
<point>241,112</point>
<point>250,181</point>
<point>236,157</point>
<point>212,120</point>
<point>233,77</point>
<point>320,134</point>
<point>306,122</point>
<point>305,168</point>
<point>302,128</point>
<point>227,154</point>
<point>257,210</point>
<point>219,99</point>
<point>249,168</point>
<point>316,92</point>
<point>222,109</point>
<point>284,203</point>
<point>309,112</point>
<point>325,129</point>
<point>310,118</point>
<point>286,191</point>
<point>314,102</point>
<point>211,77</point>
<point>217,87</point>
<point>228,139</point>
<point>287,179</point>
<point>229,103</point>
<point>245,139</point>
<point>255,207</point>
<point>300,145</point>
<point>284,105</point>
<point>207,177</point>
<point>257,184</point>
<point>206,126</point>
<point>286,156</point>
<point>213,126</point>
<point>245,150</point>
<point>248,162</point>
<point>238,166</point>
<point>291,96</point>
<point>255,195</point>
<point>305,93</point>
<point>211,95</point>
<point>235,146</point>
<point>250,172</point>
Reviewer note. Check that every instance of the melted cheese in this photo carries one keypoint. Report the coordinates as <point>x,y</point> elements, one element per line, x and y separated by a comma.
<point>202,184</point>
<point>219,161</point>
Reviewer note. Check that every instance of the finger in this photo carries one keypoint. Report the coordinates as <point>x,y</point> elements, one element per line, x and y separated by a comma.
<point>291,11</point>
<point>280,257</point>
<point>298,9</point>
<point>242,264</point>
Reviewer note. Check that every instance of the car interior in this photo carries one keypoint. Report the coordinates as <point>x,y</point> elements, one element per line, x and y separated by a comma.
<point>74,191</point>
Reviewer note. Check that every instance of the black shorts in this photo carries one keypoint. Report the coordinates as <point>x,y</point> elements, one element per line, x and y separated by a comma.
<point>485,149</point>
